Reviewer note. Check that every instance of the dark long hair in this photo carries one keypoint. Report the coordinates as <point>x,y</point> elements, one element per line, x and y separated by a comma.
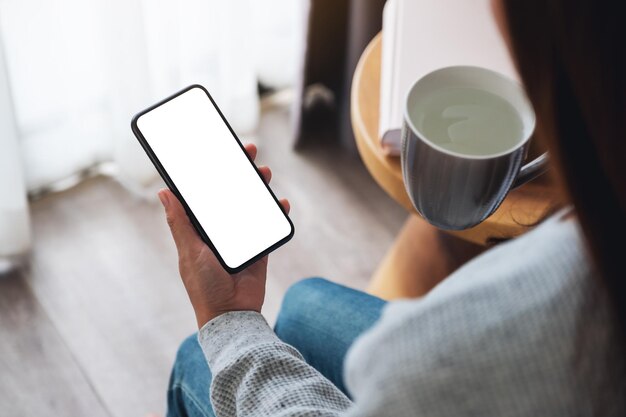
<point>571,55</point>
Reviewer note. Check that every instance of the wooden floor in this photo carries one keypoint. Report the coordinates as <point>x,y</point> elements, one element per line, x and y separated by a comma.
<point>91,326</point>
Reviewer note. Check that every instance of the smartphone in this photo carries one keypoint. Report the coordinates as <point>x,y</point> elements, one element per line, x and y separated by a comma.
<point>203,162</point>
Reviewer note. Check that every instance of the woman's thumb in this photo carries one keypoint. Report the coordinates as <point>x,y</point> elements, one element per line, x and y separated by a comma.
<point>184,234</point>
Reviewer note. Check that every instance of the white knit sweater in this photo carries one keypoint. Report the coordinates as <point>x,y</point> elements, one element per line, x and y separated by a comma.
<point>522,330</point>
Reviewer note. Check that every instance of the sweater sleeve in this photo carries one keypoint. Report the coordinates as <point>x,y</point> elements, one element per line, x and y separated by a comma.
<point>256,374</point>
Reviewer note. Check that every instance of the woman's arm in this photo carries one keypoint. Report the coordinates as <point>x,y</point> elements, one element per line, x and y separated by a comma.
<point>255,374</point>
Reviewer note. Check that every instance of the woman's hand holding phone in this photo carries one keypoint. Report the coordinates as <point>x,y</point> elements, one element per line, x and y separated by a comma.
<point>213,291</point>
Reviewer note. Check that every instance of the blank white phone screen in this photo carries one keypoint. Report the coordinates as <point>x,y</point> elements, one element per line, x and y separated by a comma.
<point>214,176</point>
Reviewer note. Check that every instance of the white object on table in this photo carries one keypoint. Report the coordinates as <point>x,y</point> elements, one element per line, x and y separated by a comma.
<point>420,36</point>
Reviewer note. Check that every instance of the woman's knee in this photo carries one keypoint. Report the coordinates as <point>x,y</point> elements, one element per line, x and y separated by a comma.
<point>316,304</point>
<point>302,302</point>
<point>303,294</point>
<point>302,289</point>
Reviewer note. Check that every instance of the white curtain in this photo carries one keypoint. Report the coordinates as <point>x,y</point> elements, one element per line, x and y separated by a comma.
<point>75,72</point>
<point>14,222</point>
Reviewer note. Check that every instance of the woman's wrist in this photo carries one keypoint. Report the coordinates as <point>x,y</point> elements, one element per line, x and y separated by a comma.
<point>206,316</point>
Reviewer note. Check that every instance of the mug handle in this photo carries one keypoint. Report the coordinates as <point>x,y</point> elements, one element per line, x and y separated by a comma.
<point>532,170</point>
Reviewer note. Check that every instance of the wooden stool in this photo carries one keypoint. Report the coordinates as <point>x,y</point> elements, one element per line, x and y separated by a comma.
<point>421,255</point>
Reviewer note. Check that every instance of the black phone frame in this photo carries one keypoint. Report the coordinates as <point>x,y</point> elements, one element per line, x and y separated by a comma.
<point>168,181</point>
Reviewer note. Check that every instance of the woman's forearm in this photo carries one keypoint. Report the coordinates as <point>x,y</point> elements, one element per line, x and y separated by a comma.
<point>256,374</point>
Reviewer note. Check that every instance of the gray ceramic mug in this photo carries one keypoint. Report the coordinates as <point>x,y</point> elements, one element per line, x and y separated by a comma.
<point>456,191</point>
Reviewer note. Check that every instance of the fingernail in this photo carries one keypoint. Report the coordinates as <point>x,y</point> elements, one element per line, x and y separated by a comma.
<point>163,197</point>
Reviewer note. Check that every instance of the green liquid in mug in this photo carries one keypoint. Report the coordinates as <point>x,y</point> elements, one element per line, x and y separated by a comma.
<point>468,121</point>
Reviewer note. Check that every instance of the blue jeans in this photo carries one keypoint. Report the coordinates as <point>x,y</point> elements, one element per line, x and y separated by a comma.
<point>319,318</point>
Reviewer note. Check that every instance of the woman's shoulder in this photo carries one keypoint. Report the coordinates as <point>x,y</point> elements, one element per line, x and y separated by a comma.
<point>544,261</point>
<point>529,284</point>
<point>506,324</point>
